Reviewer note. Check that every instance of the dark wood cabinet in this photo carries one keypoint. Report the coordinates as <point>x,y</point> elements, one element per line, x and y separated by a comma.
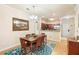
<point>73,48</point>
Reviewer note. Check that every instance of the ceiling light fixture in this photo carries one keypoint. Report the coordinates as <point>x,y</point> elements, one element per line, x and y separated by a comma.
<point>34,17</point>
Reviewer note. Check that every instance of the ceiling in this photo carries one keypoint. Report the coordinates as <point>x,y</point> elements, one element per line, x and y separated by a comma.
<point>47,10</point>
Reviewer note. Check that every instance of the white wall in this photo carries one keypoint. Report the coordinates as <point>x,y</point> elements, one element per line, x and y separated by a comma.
<point>9,38</point>
<point>77,20</point>
<point>68,27</point>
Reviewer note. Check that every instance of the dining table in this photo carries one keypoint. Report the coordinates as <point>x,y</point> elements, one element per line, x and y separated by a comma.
<point>31,40</point>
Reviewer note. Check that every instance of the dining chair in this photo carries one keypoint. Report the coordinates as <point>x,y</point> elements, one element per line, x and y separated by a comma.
<point>45,38</point>
<point>24,46</point>
<point>39,42</point>
<point>27,35</point>
<point>33,33</point>
<point>43,33</point>
<point>44,41</point>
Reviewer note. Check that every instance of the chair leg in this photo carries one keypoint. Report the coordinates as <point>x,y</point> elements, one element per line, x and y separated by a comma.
<point>23,51</point>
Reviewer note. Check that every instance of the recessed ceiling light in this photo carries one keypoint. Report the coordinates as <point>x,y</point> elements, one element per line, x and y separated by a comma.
<point>51,19</point>
<point>33,6</point>
<point>27,9</point>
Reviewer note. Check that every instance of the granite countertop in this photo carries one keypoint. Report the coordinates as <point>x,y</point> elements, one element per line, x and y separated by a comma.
<point>73,39</point>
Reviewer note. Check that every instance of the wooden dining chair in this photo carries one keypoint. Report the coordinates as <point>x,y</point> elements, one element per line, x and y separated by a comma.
<point>43,33</point>
<point>24,46</point>
<point>33,33</point>
<point>27,35</point>
<point>39,42</point>
<point>45,38</point>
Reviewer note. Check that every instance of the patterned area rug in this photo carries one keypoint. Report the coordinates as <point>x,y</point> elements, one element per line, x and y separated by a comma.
<point>46,50</point>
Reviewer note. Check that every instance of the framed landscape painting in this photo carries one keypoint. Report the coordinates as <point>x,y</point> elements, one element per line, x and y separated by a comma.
<point>20,24</point>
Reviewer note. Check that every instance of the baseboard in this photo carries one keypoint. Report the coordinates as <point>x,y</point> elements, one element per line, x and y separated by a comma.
<point>2,50</point>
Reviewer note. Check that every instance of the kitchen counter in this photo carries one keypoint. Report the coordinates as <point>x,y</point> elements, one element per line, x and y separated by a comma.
<point>73,46</point>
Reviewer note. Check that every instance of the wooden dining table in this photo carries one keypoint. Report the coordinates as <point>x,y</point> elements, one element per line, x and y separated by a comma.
<point>31,40</point>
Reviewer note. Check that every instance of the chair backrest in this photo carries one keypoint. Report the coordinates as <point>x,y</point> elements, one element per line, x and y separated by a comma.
<point>23,43</point>
<point>42,33</point>
<point>45,36</point>
<point>33,33</point>
<point>27,35</point>
<point>40,40</point>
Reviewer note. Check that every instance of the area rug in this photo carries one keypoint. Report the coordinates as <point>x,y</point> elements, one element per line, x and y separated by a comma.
<point>46,50</point>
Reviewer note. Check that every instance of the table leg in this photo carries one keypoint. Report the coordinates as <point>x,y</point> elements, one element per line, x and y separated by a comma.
<point>31,48</point>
